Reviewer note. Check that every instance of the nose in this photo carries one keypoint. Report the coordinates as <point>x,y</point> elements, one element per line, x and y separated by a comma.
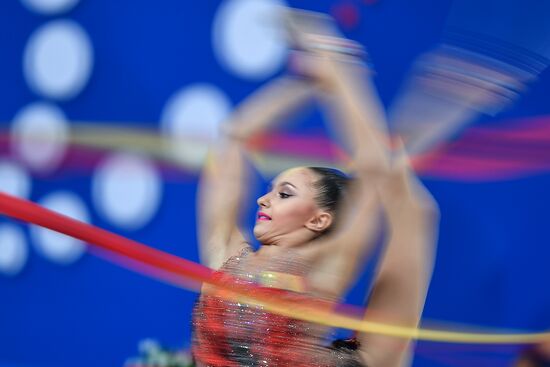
<point>263,201</point>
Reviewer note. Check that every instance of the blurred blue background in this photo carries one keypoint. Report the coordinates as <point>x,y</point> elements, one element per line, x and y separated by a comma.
<point>162,67</point>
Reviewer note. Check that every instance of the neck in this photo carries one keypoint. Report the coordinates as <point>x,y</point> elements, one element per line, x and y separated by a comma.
<point>292,240</point>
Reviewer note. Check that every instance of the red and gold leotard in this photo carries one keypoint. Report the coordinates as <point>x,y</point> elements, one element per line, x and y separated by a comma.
<point>232,334</point>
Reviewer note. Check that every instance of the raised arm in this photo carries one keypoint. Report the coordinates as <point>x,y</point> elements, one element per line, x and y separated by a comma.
<point>224,178</point>
<point>401,283</point>
<point>357,116</point>
<point>400,286</point>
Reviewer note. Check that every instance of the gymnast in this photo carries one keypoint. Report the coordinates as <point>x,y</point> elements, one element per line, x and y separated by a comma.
<point>316,225</point>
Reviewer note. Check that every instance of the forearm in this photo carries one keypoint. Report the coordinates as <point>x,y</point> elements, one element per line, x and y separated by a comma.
<point>272,104</point>
<point>358,111</point>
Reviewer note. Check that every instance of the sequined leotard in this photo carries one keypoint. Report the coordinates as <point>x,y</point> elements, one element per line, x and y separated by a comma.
<point>231,334</point>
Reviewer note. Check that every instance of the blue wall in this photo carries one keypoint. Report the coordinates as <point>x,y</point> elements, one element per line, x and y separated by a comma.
<point>492,263</point>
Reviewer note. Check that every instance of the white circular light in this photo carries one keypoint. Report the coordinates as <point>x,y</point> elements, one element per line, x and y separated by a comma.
<point>13,249</point>
<point>49,7</point>
<point>127,190</point>
<point>55,246</point>
<point>248,39</point>
<point>14,180</point>
<point>58,59</point>
<point>191,119</point>
<point>39,136</point>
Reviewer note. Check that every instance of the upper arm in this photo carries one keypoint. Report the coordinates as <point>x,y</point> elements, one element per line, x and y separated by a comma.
<point>219,198</point>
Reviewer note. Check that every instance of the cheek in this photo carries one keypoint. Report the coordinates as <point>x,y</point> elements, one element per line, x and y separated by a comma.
<point>294,213</point>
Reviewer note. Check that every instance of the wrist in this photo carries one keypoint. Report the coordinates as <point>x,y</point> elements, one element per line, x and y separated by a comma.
<point>328,60</point>
<point>334,45</point>
<point>232,132</point>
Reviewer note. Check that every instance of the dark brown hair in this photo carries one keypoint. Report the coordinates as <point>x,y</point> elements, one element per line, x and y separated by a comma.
<point>331,187</point>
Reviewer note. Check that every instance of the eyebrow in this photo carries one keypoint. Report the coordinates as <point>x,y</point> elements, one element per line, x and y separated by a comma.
<point>284,183</point>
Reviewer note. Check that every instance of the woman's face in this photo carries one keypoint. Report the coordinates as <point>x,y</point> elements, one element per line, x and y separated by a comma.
<point>288,209</point>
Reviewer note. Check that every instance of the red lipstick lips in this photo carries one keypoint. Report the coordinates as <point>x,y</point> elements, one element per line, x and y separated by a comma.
<point>263,216</point>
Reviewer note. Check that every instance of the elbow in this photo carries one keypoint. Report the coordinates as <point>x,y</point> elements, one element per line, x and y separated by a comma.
<point>427,208</point>
<point>370,168</point>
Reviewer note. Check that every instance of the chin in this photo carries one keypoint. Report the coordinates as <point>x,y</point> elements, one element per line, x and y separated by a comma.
<point>257,232</point>
<point>260,234</point>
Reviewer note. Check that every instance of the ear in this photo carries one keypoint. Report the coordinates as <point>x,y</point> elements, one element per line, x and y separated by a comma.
<point>319,222</point>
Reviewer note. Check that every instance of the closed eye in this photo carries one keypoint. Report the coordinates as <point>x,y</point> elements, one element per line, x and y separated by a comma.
<point>284,195</point>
